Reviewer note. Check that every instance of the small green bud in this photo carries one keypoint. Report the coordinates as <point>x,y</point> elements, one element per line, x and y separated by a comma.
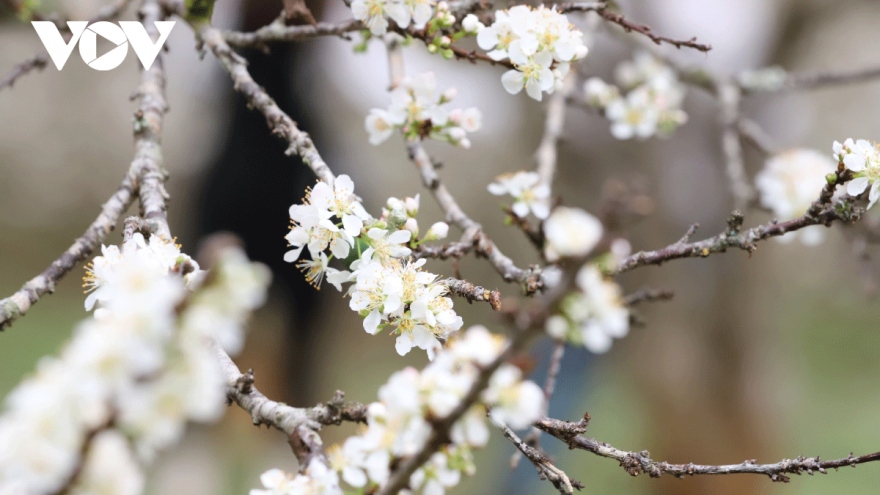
<point>199,11</point>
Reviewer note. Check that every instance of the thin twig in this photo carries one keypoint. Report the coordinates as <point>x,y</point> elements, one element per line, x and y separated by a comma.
<point>636,463</point>
<point>546,154</point>
<point>602,9</point>
<point>278,32</point>
<point>534,437</point>
<point>41,59</point>
<point>18,304</point>
<point>545,467</point>
<point>752,133</point>
<point>822,212</point>
<point>823,79</point>
<point>278,121</point>
<point>483,245</point>
<point>471,292</point>
<point>474,235</point>
<point>36,62</point>
<point>647,295</point>
<point>729,103</point>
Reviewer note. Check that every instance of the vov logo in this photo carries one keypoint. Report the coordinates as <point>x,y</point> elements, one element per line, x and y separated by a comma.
<point>127,32</point>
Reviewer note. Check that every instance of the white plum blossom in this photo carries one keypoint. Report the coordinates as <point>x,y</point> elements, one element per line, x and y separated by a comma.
<point>317,480</point>
<point>532,73</point>
<point>375,13</point>
<point>381,124</point>
<point>398,424</point>
<point>312,224</point>
<point>386,245</point>
<point>528,191</point>
<point>435,476</point>
<point>593,316</point>
<point>539,42</point>
<point>600,94</point>
<point>570,232</point>
<point>388,289</point>
<point>417,109</point>
<point>651,105</point>
<point>789,183</point>
<point>133,374</point>
<point>863,158</point>
<point>516,403</point>
<point>633,115</point>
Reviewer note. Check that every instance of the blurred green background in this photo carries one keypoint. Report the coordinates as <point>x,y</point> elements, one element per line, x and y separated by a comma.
<point>762,357</point>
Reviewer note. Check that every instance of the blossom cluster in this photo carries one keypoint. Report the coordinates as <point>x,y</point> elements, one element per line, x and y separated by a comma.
<point>540,43</point>
<point>417,110</point>
<point>651,105</point>
<point>863,159</point>
<point>375,13</point>
<point>529,193</point>
<point>594,314</point>
<point>398,425</point>
<point>132,374</point>
<point>789,183</point>
<point>387,288</point>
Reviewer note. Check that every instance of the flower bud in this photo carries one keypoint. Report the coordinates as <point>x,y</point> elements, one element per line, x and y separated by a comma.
<point>471,24</point>
<point>437,231</point>
<point>412,206</point>
<point>412,225</point>
<point>395,204</point>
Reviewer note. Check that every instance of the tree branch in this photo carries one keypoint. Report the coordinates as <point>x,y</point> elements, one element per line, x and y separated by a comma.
<point>483,245</point>
<point>279,122</point>
<point>471,292</point>
<point>546,154</point>
<point>278,32</point>
<point>16,305</point>
<point>729,103</point>
<point>822,212</point>
<point>545,467</point>
<point>636,463</point>
<point>264,411</point>
<point>602,9</point>
<point>148,132</point>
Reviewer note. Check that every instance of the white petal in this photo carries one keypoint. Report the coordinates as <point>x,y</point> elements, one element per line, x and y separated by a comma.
<point>857,186</point>
<point>854,162</point>
<point>400,237</point>
<point>403,344</point>
<point>352,224</point>
<point>512,81</point>
<point>487,38</point>
<point>289,256</point>
<point>371,322</point>
<point>521,209</point>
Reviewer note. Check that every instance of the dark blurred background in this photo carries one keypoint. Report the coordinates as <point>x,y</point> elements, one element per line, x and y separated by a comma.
<point>755,358</point>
